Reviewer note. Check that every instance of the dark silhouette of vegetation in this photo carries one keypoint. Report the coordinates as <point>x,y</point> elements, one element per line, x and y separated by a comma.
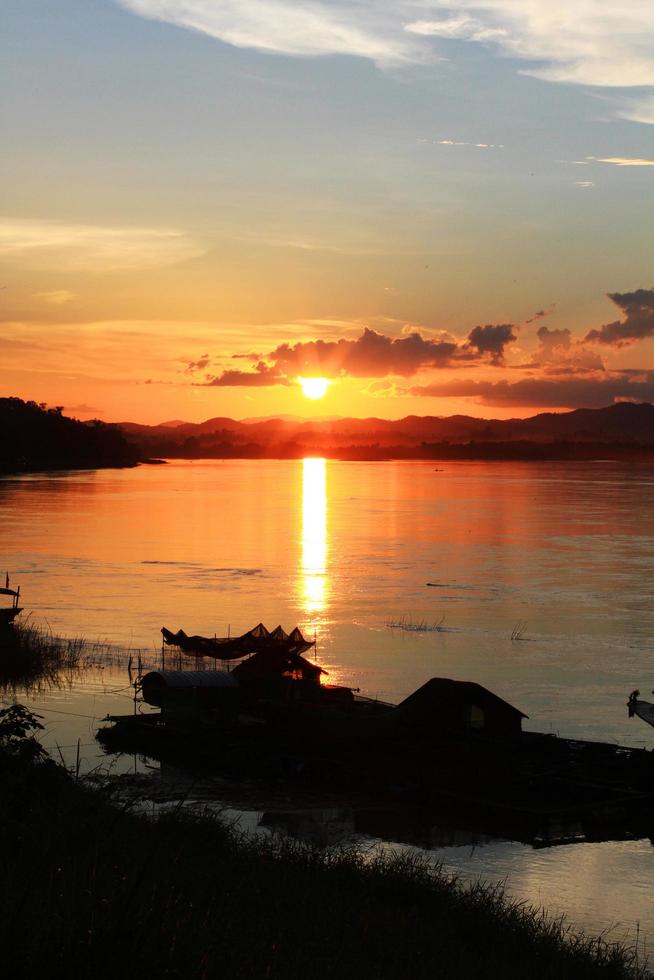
<point>32,655</point>
<point>35,437</point>
<point>90,889</point>
<point>623,431</point>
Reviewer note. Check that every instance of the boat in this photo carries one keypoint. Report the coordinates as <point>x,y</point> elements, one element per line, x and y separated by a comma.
<point>9,613</point>
<point>256,640</point>
<point>642,709</point>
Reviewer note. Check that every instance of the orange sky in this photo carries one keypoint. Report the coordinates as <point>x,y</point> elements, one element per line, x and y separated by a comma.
<point>437,224</point>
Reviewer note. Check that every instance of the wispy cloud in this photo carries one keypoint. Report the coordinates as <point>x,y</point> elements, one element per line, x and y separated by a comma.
<point>94,248</point>
<point>368,30</point>
<point>624,161</point>
<point>588,43</point>
<point>56,297</point>
<point>545,393</point>
<point>478,146</point>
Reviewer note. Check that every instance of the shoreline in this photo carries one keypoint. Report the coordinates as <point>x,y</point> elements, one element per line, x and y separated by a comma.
<point>184,896</point>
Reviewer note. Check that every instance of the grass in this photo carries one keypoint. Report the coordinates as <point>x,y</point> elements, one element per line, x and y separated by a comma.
<point>33,657</point>
<point>30,655</point>
<point>518,632</point>
<point>89,888</point>
<point>405,622</point>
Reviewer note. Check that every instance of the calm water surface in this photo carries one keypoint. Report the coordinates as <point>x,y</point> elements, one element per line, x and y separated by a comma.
<point>561,554</point>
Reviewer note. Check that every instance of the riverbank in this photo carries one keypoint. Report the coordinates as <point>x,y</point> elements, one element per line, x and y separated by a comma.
<point>36,438</point>
<point>91,888</point>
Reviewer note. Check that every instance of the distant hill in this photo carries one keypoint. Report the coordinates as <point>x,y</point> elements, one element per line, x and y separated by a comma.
<point>38,438</point>
<point>618,431</point>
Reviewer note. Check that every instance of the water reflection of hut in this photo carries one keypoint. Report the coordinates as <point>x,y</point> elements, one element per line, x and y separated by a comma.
<point>460,706</point>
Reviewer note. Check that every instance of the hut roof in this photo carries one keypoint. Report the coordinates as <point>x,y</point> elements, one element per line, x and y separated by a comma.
<point>191,678</point>
<point>443,690</point>
<point>275,663</point>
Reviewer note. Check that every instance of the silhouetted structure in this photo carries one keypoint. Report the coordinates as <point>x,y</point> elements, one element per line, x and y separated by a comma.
<point>190,693</point>
<point>460,706</point>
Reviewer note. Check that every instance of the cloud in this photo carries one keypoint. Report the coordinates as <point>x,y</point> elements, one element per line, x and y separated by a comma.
<point>624,161</point>
<point>638,324</point>
<point>558,354</point>
<point>587,43</point>
<point>547,393</point>
<point>538,315</point>
<point>584,43</point>
<point>639,108</point>
<point>57,297</point>
<point>553,341</point>
<point>479,146</point>
<point>83,409</point>
<point>383,389</point>
<point>491,339</point>
<point>263,377</point>
<point>367,30</point>
<point>94,248</point>
<point>370,355</point>
<point>200,365</point>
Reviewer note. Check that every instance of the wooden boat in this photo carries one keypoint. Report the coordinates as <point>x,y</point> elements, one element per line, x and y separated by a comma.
<point>643,709</point>
<point>9,613</point>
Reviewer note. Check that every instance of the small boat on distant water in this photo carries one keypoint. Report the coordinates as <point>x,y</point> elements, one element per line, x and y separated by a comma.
<point>9,613</point>
<point>643,709</point>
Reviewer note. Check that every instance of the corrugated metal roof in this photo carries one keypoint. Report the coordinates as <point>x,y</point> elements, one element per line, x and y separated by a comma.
<point>190,678</point>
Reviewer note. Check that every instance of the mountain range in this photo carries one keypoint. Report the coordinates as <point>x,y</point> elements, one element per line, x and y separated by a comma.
<point>623,429</point>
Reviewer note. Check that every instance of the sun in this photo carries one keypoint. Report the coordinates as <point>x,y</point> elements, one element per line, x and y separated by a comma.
<point>313,387</point>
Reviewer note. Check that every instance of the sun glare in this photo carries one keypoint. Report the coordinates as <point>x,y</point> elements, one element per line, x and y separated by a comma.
<point>313,387</point>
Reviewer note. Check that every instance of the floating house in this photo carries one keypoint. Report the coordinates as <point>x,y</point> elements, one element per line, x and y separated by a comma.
<point>460,706</point>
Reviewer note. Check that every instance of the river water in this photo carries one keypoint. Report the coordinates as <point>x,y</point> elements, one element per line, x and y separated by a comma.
<point>541,588</point>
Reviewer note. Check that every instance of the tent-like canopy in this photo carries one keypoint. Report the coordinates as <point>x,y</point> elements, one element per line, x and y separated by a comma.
<point>256,640</point>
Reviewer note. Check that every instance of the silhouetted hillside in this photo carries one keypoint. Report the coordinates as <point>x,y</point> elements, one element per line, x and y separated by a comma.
<point>623,430</point>
<point>38,438</point>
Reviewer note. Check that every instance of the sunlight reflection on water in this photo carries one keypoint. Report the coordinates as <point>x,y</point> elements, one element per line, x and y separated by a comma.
<point>341,548</point>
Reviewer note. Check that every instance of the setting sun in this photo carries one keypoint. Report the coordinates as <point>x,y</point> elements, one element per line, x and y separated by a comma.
<point>313,387</point>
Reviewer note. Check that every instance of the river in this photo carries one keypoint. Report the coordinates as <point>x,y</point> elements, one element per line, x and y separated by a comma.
<point>541,588</point>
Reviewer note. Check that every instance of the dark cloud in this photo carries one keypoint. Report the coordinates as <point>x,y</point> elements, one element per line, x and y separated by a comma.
<point>638,309</point>
<point>553,340</point>
<point>558,354</point>
<point>545,393</point>
<point>491,339</point>
<point>264,376</point>
<point>370,355</point>
<point>199,365</point>
<point>84,409</point>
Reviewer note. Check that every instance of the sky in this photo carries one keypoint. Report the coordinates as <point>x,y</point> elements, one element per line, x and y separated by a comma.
<point>441,206</point>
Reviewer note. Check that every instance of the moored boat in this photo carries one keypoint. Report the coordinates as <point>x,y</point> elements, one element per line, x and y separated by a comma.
<point>9,613</point>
